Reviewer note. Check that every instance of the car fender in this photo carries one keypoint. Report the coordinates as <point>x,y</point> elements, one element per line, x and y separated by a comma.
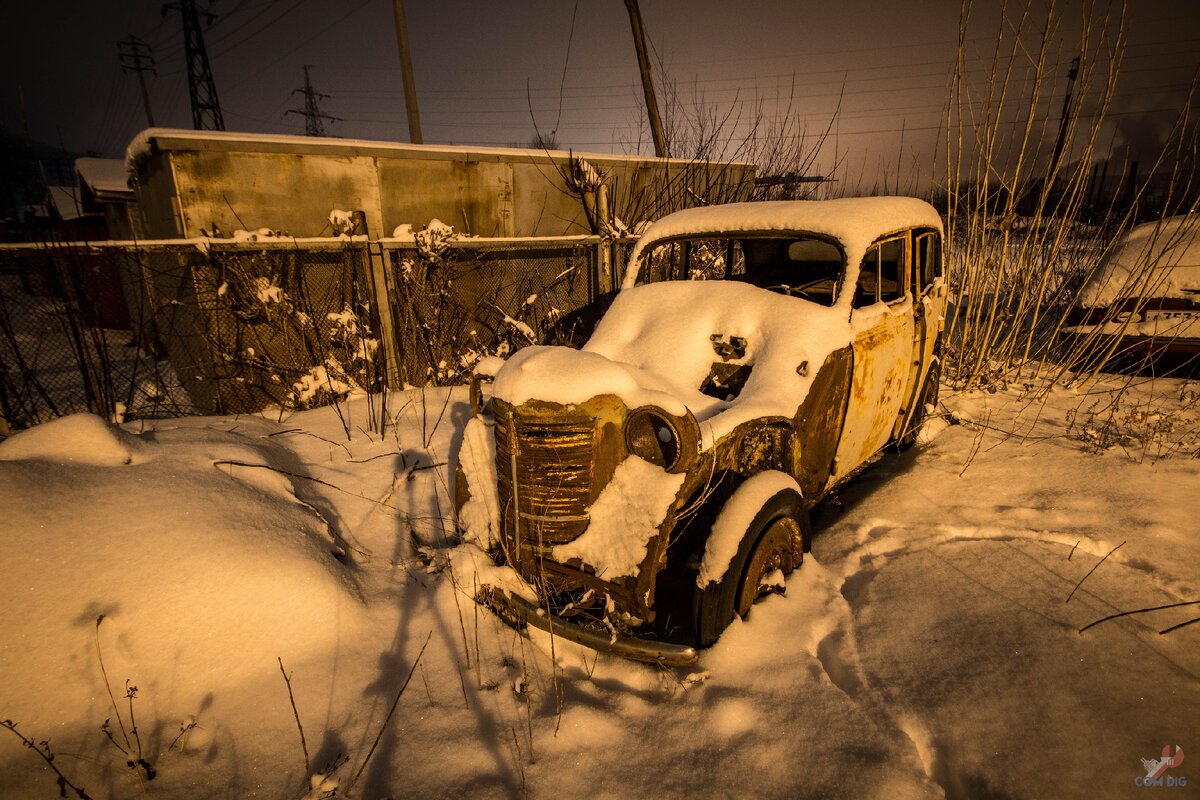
<point>734,518</point>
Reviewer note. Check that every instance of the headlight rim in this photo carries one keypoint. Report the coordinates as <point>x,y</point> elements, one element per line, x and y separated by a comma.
<point>684,429</point>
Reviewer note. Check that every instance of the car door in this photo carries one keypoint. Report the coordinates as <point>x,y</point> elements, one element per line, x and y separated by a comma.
<point>883,332</point>
<point>929,310</point>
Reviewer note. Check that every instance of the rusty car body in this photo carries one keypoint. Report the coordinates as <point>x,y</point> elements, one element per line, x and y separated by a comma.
<point>654,484</point>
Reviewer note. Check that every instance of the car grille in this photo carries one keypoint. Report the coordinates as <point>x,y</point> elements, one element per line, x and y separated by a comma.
<point>552,465</point>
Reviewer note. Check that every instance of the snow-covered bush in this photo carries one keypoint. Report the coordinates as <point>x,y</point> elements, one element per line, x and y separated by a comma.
<point>458,304</point>
<point>287,327</point>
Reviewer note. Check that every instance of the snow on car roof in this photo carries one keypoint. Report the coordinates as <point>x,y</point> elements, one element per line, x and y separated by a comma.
<point>854,221</point>
<point>1157,259</point>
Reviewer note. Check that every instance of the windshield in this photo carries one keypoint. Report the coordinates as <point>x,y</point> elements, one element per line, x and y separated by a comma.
<point>800,265</point>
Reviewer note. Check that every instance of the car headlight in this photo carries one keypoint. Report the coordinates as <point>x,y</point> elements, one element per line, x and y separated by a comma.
<point>662,439</point>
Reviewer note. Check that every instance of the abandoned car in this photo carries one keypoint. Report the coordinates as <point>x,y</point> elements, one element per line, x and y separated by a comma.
<point>654,484</point>
<point>1142,302</point>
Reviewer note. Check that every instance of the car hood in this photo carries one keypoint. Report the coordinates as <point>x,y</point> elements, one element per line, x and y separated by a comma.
<point>655,347</point>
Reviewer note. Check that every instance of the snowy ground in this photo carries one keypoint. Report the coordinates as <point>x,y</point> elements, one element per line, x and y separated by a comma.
<point>925,648</point>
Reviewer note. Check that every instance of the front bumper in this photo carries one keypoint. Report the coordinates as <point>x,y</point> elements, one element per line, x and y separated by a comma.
<point>518,612</point>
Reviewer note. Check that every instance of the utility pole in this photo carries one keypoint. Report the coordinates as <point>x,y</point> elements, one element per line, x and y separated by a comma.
<point>312,115</point>
<point>1064,120</point>
<point>136,56</point>
<point>639,41</point>
<point>206,109</point>
<point>410,86</point>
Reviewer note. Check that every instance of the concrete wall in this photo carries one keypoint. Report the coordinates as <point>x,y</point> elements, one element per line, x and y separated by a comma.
<point>188,181</point>
<point>158,201</point>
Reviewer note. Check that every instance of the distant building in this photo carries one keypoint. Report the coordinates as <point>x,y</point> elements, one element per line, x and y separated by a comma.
<point>60,217</point>
<point>104,191</point>
<point>193,183</point>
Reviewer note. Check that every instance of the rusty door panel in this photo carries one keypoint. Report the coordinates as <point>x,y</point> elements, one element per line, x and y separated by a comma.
<point>881,371</point>
<point>819,423</point>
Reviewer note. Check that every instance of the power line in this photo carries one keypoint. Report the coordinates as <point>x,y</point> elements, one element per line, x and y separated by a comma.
<point>206,108</point>
<point>321,32</point>
<point>103,130</point>
<point>217,52</point>
<point>313,118</point>
<point>136,56</point>
<point>616,89</point>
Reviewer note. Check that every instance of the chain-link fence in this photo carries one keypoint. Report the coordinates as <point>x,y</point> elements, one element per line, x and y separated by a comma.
<point>268,324</point>
<point>456,303</point>
<point>164,329</point>
<point>66,344</point>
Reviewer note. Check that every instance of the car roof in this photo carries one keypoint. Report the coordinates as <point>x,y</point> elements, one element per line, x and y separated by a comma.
<point>853,221</point>
<point>1155,259</point>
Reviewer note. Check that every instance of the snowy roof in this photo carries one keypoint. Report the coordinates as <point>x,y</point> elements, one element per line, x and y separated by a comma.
<point>171,138</point>
<point>104,176</point>
<point>854,221</point>
<point>64,200</point>
<point>1157,259</point>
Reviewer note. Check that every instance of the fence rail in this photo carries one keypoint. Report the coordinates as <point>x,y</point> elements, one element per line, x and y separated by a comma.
<point>150,329</point>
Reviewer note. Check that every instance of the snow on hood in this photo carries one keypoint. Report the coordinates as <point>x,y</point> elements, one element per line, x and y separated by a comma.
<point>654,347</point>
<point>854,221</point>
<point>565,375</point>
<point>1158,259</point>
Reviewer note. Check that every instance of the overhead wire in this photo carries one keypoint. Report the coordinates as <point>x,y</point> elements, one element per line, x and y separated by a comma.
<point>353,10</point>
<point>711,87</point>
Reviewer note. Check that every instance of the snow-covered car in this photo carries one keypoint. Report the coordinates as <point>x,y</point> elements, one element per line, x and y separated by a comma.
<point>656,483</point>
<point>1143,300</point>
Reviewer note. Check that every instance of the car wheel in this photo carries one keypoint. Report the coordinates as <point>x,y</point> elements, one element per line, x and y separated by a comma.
<point>769,546</point>
<point>927,398</point>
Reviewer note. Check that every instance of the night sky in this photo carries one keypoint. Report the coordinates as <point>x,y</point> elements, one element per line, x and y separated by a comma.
<point>485,71</point>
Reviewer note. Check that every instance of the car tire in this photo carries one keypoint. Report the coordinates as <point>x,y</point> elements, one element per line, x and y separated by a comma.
<point>930,390</point>
<point>769,544</point>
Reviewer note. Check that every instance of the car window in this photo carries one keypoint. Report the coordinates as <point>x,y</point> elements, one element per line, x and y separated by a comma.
<point>927,261</point>
<point>712,259</point>
<point>800,266</point>
<point>663,263</point>
<point>866,292</point>
<point>891,270</point>
<point>700,259</point>
<point>807,267</point>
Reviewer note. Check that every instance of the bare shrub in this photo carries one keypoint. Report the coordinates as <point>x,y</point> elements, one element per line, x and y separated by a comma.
<point>1023,230</point>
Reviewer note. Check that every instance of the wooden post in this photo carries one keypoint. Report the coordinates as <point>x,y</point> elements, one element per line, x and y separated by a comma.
<point>133,59</point>
<point>410,88</point>
<point>382,294</point>
<point>639,41</point>
<point>605,281</point>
